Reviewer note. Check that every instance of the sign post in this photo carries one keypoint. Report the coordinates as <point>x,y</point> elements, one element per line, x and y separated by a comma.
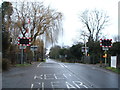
<point>105,44</point>
<point>23,42</point>
<point>22,52</point>
<point>85,50</point>
<point>105,57</point>
<point>33,49</point>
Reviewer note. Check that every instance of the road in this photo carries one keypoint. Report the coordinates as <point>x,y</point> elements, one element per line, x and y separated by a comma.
<point>53,74</point>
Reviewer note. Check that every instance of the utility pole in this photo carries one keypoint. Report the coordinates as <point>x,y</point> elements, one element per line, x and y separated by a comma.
<point>84,34</point>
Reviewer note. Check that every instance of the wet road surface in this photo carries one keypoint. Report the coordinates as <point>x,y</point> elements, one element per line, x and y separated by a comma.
<point>53,74</point>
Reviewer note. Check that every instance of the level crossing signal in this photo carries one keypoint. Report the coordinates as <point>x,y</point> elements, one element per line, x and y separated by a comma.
<point>24,41</point>
<point>106,42</point>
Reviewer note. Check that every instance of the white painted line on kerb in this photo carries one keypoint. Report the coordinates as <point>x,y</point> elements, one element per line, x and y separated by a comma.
<point>32,85</point>
<point>39,65</point>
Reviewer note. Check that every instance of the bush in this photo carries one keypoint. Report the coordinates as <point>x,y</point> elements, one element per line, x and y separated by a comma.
<point>5,64</point>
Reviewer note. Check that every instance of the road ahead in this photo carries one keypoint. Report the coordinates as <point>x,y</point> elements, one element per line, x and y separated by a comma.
<point>52,74</point>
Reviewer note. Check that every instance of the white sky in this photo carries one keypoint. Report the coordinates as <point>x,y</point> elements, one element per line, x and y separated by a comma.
<point>71,9</point>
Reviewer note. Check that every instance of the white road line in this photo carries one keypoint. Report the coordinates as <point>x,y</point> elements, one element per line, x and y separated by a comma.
<point>55,85</point>
<point>64,75</point>
<point>32,85</point>
<point>64,65</point>
<point>55,76</point>
<point>39,64</point>
<point>69,85</point>
<point>42,85</point>
<point>77,83</point>
<point>61,65</point>
<point>70,75</point>
<point>35,77</point>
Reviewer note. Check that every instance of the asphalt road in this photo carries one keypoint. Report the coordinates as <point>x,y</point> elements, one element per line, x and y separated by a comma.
<point>52,74</point>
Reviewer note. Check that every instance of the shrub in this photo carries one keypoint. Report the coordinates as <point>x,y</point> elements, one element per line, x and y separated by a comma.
<point>5,64</point>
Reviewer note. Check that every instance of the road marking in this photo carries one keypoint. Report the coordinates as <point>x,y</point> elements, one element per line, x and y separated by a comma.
<point>70,75</point>
<point>32,85</point>
<point>55,84</point>
<point>69,85</point>
<point>64,75</point>
<point>38,77</point>
<point>35,77</point>
<point>61,65</point>
<point>39,64</point>
<point>42,85</point>
<point>64,65</point>
<point>48,76</point>
<point>78,84</point>
<point>55,76</point>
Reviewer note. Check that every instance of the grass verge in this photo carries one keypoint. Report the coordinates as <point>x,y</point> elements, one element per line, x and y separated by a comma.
<point>116,70</point>
<point>20,65</point>
<point>39,60</point>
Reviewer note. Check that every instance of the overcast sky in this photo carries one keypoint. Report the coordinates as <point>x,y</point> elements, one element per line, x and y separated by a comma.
<point>72,8</point>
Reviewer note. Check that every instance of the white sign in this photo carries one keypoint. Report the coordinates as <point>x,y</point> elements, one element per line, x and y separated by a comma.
<point>34,48</point>
<point>105,48</point>
<point>113,61</point>
<point>83,49</point>
<point>22,47</point>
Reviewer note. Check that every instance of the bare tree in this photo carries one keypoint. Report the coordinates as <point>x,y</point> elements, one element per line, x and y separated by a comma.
<point>94,21</point>
<point>35,19</point>
<point>116,38</point>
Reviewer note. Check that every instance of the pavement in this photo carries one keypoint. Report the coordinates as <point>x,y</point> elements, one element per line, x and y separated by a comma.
<point>52,74</point>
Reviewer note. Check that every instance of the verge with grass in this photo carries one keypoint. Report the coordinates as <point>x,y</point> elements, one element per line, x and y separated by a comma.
<point>116,70</point>
<point>20,65</point>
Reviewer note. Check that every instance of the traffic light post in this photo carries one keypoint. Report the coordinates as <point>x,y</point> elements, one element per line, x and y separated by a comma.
<point>105,44</point>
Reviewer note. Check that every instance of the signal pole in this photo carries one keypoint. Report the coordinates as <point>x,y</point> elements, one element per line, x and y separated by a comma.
<point>105,44</point>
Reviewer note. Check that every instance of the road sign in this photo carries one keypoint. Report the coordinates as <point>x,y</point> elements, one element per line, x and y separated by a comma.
<point>105,48</point>
<point>22,47</point>
<point>83,49</point>
<point>24,41</point>
<point>34,48</point>
<point>105,42</point>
